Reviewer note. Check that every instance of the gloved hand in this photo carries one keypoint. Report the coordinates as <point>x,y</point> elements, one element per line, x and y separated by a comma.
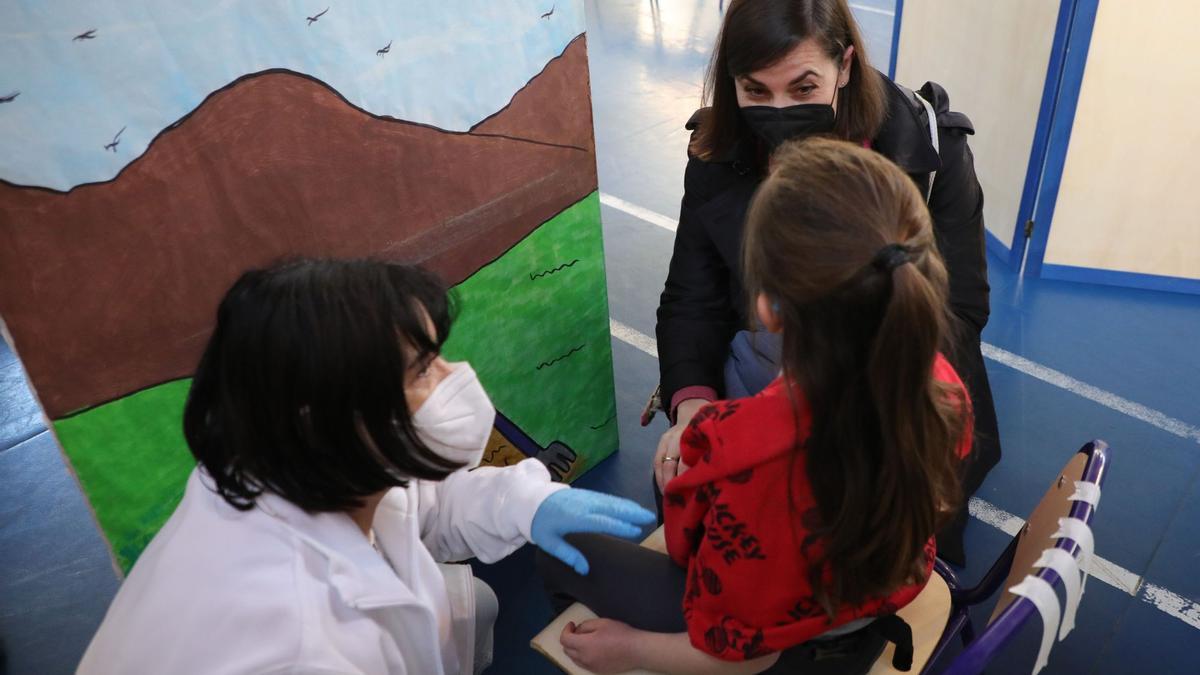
<point>575,510</point>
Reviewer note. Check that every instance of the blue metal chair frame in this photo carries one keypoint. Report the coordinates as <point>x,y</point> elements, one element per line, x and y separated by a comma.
<point>980,650</point>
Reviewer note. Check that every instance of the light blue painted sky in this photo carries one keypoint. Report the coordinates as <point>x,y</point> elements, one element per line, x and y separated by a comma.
<point>451,64</point>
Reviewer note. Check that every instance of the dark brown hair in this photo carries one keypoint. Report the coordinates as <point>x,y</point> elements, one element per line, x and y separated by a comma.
<point>756,34</point>
<point>860,338</point>
<point>300,391</point>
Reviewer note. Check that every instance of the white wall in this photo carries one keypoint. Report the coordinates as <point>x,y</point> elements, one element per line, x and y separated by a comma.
<point>1130,193</point>
<point>991,56</point>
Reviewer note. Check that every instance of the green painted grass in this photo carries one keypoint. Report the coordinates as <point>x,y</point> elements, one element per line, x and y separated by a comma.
<point>511,321</point>
<point>133,462</point>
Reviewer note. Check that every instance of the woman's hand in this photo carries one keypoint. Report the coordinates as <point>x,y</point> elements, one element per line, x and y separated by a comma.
<point>667,463</point>
<point>601,645</point>
<point>577,510</point>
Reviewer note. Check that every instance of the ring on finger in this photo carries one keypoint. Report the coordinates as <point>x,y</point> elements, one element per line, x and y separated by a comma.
<point>668,458</point>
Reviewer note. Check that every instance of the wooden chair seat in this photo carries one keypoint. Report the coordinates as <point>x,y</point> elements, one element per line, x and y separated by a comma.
<point>927,615</point>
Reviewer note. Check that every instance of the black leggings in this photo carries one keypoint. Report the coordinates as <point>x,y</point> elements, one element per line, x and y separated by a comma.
<point>626,582</point>
<point>644,589</point>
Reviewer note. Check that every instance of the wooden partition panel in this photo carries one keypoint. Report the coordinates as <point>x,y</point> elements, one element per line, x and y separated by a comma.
<point>1127,205</point>
<point>992,58</point>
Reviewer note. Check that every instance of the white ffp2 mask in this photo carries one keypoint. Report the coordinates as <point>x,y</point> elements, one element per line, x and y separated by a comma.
<point>456,420</point>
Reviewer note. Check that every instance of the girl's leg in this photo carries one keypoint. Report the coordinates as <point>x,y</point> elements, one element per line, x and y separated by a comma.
<point>625,582</point>
<point>644,589</point>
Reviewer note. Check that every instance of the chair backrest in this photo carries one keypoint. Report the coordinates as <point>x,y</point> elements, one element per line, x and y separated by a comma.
<point>1072,497</point>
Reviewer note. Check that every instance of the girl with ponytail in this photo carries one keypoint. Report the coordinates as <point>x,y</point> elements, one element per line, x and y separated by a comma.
<point>840,258</point>
<point>807,516</point>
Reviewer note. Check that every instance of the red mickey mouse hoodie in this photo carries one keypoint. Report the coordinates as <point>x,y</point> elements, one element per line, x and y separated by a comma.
<point>729,522</point>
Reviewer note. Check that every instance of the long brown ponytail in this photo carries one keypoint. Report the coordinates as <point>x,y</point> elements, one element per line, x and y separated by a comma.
<point>840,240</point>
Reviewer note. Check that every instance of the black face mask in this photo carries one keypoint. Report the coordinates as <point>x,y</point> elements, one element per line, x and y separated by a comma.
<point>774,126</point>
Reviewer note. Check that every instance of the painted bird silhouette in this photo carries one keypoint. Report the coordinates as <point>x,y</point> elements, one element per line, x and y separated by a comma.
<point>86,35</point>
<point>313,19</point>
<point>115,141</point>
<point>10,97</point>
<point>549,14</point>
<point>385,50</point>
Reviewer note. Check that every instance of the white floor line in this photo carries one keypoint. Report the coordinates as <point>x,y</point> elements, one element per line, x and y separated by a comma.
<point>1102,570</point>
<point>633,338</point>
<point>1176,605</point>
<point>1033,369</point>
<point>1163,599</point>
<point>872,10</point>
<point>1104,398</point>
<point>636,211</point>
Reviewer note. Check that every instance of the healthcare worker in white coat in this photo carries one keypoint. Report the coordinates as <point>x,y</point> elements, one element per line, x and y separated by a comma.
<point>334,448</point>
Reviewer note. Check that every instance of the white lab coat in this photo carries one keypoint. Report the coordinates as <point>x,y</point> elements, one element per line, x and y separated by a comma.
<point>279,590</point>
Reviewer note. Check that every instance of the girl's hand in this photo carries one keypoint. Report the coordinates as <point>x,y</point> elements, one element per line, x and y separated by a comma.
<point>601,645</point>
<point>667,463</point>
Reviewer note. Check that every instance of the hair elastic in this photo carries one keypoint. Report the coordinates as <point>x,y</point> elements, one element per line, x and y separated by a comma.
<point>890,257</point>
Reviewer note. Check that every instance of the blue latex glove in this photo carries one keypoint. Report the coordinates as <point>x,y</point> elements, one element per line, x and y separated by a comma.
<point>576,510</point>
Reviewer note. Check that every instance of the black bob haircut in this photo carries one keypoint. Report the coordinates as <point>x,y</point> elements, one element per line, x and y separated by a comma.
<point>300,391</point>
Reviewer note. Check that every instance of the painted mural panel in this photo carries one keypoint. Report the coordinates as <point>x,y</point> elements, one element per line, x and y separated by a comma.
<point>150,152</point>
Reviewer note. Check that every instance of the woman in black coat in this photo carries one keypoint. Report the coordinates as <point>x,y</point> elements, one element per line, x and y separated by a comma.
<point>784,69</point>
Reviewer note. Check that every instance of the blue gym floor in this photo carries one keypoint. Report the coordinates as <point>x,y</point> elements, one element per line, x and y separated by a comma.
<point>647,59</point>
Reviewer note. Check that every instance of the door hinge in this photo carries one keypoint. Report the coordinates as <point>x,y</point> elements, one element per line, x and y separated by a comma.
<point>1029,228</point>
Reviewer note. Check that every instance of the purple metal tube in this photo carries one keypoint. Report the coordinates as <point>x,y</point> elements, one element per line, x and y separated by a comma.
<point>999,632</point>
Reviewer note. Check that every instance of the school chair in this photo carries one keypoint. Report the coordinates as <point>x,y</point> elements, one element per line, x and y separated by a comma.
<point>1052,549</point>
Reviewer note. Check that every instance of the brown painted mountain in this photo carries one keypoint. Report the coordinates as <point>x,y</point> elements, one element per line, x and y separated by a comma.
<point>110,288</point>
<point>561,122</point>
